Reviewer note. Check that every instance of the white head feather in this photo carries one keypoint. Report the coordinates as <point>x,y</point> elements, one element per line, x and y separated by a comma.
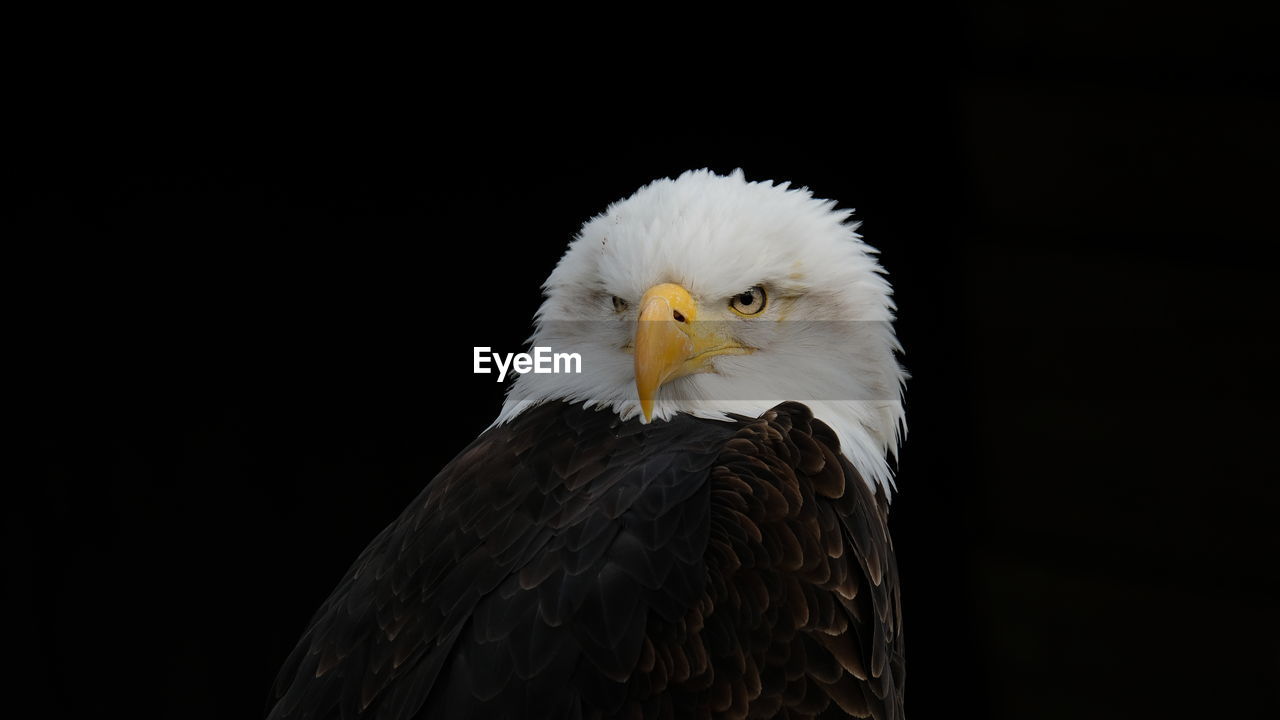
<point>825,339</point>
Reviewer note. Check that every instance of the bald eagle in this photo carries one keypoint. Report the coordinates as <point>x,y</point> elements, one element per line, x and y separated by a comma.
<point>693,526</point>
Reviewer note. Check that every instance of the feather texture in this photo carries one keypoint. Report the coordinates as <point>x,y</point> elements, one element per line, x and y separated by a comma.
<point>569,564</point>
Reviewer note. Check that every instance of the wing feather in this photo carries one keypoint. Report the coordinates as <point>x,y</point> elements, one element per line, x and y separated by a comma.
<point>569,565</point>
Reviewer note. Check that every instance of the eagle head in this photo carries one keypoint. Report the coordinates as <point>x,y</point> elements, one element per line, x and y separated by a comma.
<point>710,295</point>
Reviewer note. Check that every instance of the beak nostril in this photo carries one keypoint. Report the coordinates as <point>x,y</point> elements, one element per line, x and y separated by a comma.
<point>675,314</point>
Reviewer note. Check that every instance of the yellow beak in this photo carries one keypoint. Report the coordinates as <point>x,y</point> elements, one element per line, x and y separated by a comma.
<point>671,343</point>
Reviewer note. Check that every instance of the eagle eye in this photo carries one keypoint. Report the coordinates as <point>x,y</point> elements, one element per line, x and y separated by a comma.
<point>751,302</point>
<point>619,304</point>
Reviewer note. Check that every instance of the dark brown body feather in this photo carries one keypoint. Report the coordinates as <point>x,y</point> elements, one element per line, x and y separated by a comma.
<point>570,565</point>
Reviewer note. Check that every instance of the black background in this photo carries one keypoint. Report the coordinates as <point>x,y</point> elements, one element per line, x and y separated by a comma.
<point>249,293</point>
